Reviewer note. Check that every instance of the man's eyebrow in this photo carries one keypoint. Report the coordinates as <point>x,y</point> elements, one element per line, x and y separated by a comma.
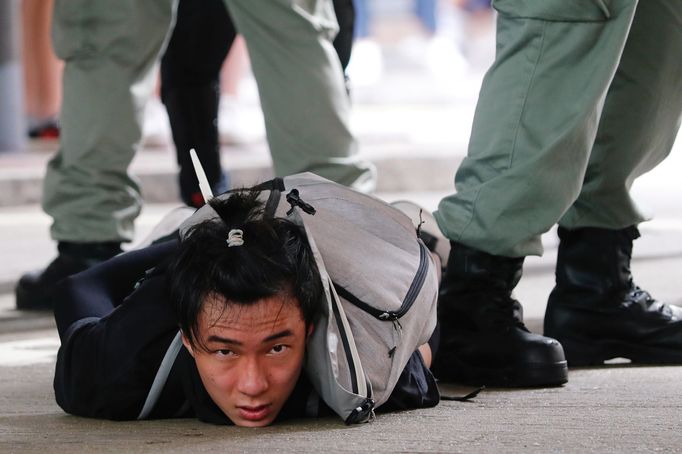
<point>223,340</point>
<point>270,338</point>
<point>281,334</point>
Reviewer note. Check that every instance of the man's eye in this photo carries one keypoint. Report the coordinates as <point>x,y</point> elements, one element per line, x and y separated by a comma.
<point>278,349</point>
<point>223,353</point>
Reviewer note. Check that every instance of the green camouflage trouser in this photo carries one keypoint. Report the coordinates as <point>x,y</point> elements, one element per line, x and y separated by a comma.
<point>584,96</point>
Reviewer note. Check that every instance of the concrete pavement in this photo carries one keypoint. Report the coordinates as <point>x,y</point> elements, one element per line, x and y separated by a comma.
<point>609,409</point>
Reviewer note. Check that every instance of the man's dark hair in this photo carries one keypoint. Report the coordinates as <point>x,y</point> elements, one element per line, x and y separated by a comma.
<point>274,258</point>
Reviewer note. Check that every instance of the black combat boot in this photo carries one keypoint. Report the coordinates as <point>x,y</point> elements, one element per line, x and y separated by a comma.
<point>483,338</point>
<point>597,312</point>
<point>33,291</point>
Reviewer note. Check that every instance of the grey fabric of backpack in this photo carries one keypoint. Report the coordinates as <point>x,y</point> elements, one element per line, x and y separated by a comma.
<point>380,285</point>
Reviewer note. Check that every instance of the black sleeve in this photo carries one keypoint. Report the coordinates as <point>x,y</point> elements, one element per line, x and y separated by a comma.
<point>98,290</point>
<point>416,387</point>
<point>106,363</point>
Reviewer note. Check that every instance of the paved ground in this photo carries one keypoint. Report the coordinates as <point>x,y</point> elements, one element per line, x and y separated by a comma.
<point>600,410</point>
<point>417,137</point>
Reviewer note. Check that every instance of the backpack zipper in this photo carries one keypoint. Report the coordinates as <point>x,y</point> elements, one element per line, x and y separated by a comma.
<point>394,316</point>
<point>346,348</point>
<point>410,296</point>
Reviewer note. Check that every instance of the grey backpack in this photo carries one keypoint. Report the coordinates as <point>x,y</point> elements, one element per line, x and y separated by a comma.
<point>380,284</point>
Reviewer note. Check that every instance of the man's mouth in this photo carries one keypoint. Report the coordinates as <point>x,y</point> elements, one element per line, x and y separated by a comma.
<point>254,413</point>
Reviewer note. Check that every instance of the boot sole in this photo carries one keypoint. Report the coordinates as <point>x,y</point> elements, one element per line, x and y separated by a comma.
<point>581,353</point>
<point>529,375</point>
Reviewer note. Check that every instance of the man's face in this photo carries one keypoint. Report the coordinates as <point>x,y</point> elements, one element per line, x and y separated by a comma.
<point>253,357</point>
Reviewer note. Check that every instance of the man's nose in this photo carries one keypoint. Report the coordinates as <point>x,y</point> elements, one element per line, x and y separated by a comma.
<point>253,379</point>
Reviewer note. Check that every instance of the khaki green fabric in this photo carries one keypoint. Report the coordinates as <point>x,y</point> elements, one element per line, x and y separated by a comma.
<point>111,49</point>
<point>302,90</point>
<point>579,102</point>
<point>640,120</point>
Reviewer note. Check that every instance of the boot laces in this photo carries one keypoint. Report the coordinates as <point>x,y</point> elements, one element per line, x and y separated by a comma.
<point>639,296</point>
<point>506,312</point>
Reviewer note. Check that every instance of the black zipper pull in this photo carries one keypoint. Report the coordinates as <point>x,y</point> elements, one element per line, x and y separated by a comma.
<point>397,333</point>
<point>295,201</point>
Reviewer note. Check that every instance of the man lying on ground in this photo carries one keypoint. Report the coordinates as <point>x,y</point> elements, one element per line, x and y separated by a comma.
<point>245,291</point>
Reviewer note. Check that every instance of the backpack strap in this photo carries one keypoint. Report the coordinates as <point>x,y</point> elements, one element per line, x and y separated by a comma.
<point>276,188</point>
<point>270,185</point>
<point>354,405</point>
<point>161,376</point>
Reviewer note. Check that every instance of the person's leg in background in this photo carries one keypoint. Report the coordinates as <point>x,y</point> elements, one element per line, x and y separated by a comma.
<point>425,10</point>
<point>366,66</point>
<point>596,310</point>
<point>362,19</point>
<point>190,89</point>
<point>110,56</point>
<point>42,70</point>
<point>234,127</point>
<point>343,42</point>
<point>534,127</point>
<point>302,89</point>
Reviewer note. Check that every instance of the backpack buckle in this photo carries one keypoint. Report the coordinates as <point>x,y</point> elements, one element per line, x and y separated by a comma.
<point>295,201</point>
<point>363,413</point>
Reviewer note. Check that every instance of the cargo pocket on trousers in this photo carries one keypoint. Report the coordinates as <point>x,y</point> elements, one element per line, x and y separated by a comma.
<point>71,27</point>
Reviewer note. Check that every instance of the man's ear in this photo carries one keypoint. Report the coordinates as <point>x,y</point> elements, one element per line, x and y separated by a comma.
<point>185,342</point>
<point>311,330</point>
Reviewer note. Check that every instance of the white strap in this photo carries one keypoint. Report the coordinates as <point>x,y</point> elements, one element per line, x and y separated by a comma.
<point>364,389</point>
<point>161,376</point>
<point>204,187</point>
<point>355,356</point>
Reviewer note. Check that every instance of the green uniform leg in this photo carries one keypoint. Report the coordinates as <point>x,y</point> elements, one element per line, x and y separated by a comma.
<point>596,310</point>
<point>536,121</point>
<point>110,51</point>
<point>640,120</point>
<point>301,86</point>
